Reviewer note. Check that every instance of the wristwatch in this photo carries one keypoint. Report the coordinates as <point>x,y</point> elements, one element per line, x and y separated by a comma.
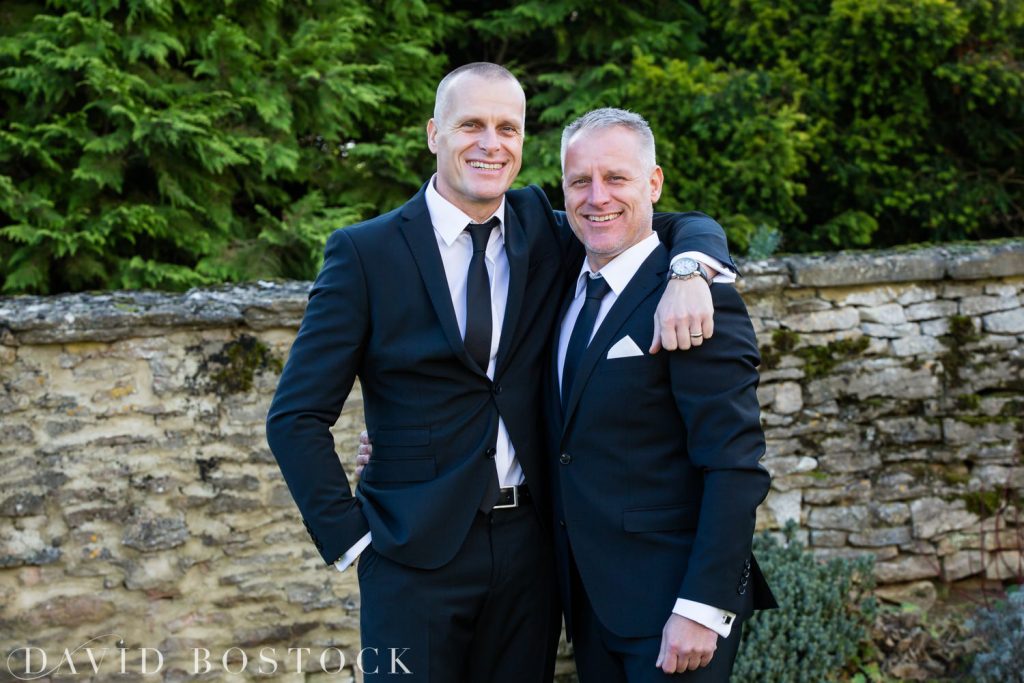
<point>687,268</point>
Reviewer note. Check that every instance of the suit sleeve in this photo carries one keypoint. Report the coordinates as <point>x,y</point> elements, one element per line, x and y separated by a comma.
<point>693,231</point>
<point>316,380</point>
<point>715,388</point>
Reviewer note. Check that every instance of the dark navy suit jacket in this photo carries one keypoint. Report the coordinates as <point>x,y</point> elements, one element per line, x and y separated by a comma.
<point>655,465</point>
<point>380,310</point>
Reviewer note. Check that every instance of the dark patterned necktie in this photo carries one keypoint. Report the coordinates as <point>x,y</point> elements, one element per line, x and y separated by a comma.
<point>581,332</point>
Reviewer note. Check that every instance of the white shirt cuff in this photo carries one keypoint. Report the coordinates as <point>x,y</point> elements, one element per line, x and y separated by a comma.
<point>718,620</point>
<point>725,273</point>
<point>352,553</point>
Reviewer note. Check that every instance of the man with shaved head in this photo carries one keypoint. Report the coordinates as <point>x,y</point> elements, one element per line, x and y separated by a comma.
<point>444,308</point>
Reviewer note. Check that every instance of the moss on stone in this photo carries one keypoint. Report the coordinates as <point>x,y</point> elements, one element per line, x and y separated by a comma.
<point>783,341</point>
<point>240,360</point>
<point>821,360</point>
<point>968,402</point>
<point>983,503</point>
<point>961,333</point>
<point>955,474</point>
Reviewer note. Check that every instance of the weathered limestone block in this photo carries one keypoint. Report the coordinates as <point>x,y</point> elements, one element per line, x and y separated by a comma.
<point>842,518</point>
<point>1007,564</point>
<point>917,346</point>
<point>786,465</point>
<point>890,331</point>
<point>930,310</point>
<point>975,262</point>
<point>881,537</point>
<point>887,314</point>
<point>1006,322</point>
<point>781,507</point>
<point>838,489</point>
<point>849,461</point>
<point>823,321</point>
<point>914,294</point>
<point>910,383</point>
<point>877,554</point>
<point>962,564</point>
<point>979,305</point>
<point>891,513</point>
<point>959,432</point>
<point>909,430</point>
<point>862,268</point>
<point>151,534</point>
<point>907,568</point>
<point>933,516</point>
<point>828,539</point>
<point>788,398</point>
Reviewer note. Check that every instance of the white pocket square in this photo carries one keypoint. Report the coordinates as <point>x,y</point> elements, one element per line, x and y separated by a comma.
<point>624,348</point>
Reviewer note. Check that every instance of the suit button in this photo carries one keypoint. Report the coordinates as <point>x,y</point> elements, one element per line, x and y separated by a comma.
<point>496,389</point>
<point>741,590</point>
<point>565,458</point>
<point>491,452</point>
<point>561,523</point>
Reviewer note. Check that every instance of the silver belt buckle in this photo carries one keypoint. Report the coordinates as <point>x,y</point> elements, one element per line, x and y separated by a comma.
<point>515,498</point>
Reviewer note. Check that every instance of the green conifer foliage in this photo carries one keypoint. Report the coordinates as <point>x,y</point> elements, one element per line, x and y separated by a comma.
<point>170,143</point>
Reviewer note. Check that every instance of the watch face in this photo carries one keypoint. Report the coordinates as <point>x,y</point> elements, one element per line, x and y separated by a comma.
<point>684,266</point>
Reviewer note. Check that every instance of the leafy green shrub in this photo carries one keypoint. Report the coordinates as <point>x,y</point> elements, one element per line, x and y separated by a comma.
<point>824,616</point>
<point>160,143</point>
<point>1001,629</point>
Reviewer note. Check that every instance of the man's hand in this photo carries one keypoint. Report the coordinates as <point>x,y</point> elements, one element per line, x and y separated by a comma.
<point>685,645</point>
<point>363,453</point>
<point>684,317</point>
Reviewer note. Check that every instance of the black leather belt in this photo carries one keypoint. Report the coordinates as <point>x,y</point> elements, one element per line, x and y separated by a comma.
<point>512,497</point>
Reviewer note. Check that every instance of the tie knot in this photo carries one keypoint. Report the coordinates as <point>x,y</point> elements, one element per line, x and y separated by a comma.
<point>597,287</point>
<point>481,232</point>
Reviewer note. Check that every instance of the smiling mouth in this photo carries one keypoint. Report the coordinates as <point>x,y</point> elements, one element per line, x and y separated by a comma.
<point>485,166</point>
<point>602,218</point>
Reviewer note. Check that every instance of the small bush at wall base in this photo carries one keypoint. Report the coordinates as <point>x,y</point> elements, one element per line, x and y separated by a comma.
<point>1001,628</point>
<point>823,621</point>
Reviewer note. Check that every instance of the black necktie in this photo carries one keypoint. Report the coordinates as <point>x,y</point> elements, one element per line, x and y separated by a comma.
<point>581,331</point>
<point>478,296</point>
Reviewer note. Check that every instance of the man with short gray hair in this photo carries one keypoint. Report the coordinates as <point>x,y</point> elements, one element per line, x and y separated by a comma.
<point>655,457</point>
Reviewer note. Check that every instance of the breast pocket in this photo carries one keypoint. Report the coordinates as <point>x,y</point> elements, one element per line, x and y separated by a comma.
<point>401,454</point>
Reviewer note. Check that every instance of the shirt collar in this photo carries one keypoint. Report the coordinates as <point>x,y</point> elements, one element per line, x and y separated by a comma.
<point>449,220</point>
<point>621,269</point>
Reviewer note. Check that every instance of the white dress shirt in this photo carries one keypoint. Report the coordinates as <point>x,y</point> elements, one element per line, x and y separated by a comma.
<point>617,273</point>
<point>456,247</point>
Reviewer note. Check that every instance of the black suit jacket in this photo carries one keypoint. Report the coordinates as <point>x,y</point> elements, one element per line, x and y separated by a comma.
<point>656,473</point>
<point>380,309</point>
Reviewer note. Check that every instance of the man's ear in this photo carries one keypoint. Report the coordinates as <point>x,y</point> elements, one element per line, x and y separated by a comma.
<point>432,136</point>
<point>657,180</point>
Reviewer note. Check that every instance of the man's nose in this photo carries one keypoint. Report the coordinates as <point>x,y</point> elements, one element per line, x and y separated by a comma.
<point>489,141</point>
<point>598,192</point>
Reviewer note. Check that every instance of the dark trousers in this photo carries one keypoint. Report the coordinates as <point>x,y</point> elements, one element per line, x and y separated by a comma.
<point>489,615</point>
<point>603,657</point>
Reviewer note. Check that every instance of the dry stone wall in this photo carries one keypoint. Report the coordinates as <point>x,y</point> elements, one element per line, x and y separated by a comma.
<point>140,506</point>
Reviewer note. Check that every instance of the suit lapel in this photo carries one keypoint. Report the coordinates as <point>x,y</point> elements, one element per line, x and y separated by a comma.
<point>517,252</point>
<point>419,234</point>
<point>648,277</point>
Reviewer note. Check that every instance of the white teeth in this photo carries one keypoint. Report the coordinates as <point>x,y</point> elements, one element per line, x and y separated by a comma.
<point>605,218</point>
<point>480,164</point>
